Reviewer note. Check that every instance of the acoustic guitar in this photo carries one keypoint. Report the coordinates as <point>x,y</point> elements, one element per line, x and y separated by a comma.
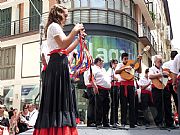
<point>129,74</point>
<point>162,82</point>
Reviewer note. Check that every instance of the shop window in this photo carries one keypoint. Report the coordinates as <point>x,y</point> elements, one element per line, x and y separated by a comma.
<point>7,63</point>
<point>5,22</point>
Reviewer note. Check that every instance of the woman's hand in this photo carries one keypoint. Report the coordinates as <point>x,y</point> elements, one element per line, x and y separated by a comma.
<point>78,27</point>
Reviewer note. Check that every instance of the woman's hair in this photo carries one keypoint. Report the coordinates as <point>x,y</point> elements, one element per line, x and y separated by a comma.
<point>55,15</point>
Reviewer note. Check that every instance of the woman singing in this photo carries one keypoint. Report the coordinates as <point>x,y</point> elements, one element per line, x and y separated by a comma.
<point>56,114</point>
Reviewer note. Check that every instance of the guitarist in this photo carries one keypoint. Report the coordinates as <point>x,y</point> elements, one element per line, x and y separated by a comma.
<point>127,93</point>
<point>159,96</point>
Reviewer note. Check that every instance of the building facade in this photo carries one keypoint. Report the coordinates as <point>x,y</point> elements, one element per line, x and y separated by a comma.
<point>113,27</point>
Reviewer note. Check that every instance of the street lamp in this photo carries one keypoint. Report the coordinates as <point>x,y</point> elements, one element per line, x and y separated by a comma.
<point>41,32</point>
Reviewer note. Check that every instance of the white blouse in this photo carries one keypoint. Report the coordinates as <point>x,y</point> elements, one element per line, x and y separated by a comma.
<point>53,30</point>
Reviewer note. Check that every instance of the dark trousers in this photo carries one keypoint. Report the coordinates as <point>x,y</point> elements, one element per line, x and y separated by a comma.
<point>74,99</point>
<point>102,107</point>
<point>114,104</point>
<point>174,94</point>
<point>146,101</point>
<point>124,103</point>
<point>162,103</point>
<point>91,107</point>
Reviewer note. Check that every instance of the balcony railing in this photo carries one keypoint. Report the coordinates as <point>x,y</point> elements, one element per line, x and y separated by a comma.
<point>100,16</point>
<point>144,32</point>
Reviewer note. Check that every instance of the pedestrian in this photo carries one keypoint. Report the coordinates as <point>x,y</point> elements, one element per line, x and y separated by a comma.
<point>56,114</point>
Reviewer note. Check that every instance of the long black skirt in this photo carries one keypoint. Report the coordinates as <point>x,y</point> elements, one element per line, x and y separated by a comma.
<point>56,113</point>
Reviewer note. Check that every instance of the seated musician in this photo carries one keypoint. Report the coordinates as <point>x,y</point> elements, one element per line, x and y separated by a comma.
<point>127,93</point>
<point>161,97</point>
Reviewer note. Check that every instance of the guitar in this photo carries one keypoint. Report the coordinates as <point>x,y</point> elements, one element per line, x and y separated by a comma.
<point>160,84</point>
<point>129,74</point>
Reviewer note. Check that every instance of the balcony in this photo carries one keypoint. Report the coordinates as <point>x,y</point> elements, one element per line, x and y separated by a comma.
<point>147,38</point>
<point>149,16</point>
<point>86,15</point>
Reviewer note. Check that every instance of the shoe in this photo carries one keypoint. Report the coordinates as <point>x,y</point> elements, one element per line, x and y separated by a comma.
<point>123,125</point>
<point>91,125</point>
<point>115,125</point>
<point>172,127</point>
<point>106,125</point>
<point>98,127</point>
<point>147,125</point>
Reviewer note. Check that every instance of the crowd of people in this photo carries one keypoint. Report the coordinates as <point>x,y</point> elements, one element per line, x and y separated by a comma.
<point>17,122</point>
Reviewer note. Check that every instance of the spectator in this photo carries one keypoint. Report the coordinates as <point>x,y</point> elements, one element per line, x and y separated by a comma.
<point>13,130</point>
<point>33,114</point>
<point>23,119</point>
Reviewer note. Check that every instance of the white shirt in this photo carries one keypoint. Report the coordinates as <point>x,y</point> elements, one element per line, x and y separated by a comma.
<point>110,74</point>
<point>53,30</point>
<point>86,77</point>
<point>154,70</point>
<point>32,117</point>
<point>101,77</point>
<point>168,65</point>
<point>176,65</point>
<point>144,81</point>
<point>119,66</point>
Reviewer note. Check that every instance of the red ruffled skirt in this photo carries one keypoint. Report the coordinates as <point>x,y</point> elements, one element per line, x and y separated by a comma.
<point>56,131</point>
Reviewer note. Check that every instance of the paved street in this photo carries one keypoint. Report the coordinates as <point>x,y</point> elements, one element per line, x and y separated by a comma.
<point>136,131</point>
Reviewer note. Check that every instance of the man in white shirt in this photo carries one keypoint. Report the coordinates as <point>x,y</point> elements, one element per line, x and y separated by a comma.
<point>33,114</point>
<point>127,93</point>
<point>102,100</point>
<point>161,96</point>
<point>176,78</point>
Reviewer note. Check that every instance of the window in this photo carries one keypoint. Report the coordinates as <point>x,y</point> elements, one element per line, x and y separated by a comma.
<point>34,19</point>
<point>7,63</point>
<point>126,6</point>
<point>5,22</point>
<point>101,4</point>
